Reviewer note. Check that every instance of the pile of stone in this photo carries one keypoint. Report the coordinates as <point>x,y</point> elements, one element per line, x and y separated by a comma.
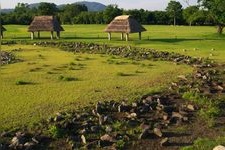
<point>208,82</point>
<point>109,123</point>
<point>20,140</point>
<point>7,57</point>
<point>128,51</point>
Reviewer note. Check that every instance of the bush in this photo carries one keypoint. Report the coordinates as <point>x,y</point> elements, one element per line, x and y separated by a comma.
<point>55,131</point>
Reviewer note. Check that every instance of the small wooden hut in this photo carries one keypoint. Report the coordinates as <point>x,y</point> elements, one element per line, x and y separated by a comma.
<point>2,31</point>
<point>45,23</point>
<point>124,24</point>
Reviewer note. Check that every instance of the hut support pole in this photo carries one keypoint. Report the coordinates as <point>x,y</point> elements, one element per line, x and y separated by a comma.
<point>139,35</point>
<point>38,34</point>
<point>32,35</point>
<point>127,37</point>
<point>122,36</point>
<point>58,35</point>
<point>51,35</point>
<point>109,36</point>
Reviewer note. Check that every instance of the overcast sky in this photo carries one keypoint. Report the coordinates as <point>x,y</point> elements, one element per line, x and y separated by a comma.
<point>127,4</point>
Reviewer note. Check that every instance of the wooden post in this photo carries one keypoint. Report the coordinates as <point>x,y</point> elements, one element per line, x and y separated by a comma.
<point>122,36</point>
<point>109,36</point>
<point>2,35</point>
<point>52,35</point>
<point>139,35</point>
<point>38,34</point>
<point>32,35</point>
<point>58,34</point>
<point>127,36</point>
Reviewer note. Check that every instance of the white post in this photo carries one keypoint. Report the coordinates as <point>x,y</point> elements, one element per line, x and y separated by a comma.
<point>52,35</point>
<point>122,36</point>
<point>32,35</point>
<point>109,36</point>
<point>127,36</point>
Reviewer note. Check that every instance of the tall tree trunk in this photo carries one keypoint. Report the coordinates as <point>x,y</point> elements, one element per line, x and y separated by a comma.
<point>220,29</point>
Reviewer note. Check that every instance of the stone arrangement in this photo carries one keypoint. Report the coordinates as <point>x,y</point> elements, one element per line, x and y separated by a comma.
<point>119,124</point>
<point>7,57</point>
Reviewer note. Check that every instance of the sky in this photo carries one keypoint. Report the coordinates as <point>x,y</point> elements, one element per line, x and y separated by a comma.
<point>126,4</point>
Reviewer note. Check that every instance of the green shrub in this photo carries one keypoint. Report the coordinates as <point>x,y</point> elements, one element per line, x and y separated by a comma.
<point>120,144</point>
<point>55,131</point>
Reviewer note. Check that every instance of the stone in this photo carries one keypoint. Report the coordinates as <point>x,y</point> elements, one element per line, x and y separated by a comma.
<point>58,117</point>
<point>35,140</point>
<point>134,105</point>
<point>83,139</point>
<point>106,137</point>
<point>4,134</point>
<point>220,88</point>
<point>98,108</point>
<point>108,129</point>
<point>144,134</point>
<point>132,115</point>
<point>165,117</point>
<point>219,147</point>
<point>157,132</point>
<point>182,77</point>
<point>164,142</point>
<point>144,126</point>
<point>177,115</point>
<point>29,145</point>
<point>191,107</point>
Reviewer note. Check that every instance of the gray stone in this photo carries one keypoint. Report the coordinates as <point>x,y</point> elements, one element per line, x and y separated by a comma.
<point>108,129</point>
<point>164,142</point>
<point>144,134</point>
<point>83,139</point>
<point>106,137</point>
<point>29,145</point>
<point>177,115</point>
<point>157,132</point>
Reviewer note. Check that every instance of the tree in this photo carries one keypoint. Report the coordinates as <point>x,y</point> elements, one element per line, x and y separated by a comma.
<point>216,10</point>
<point>189,14</point>
<point>47,9</point>
<point>111,12</point>
<point>174,10</point>
<point>70,11</point>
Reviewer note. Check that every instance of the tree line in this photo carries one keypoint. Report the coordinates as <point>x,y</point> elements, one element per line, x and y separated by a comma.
<point>207,12</point>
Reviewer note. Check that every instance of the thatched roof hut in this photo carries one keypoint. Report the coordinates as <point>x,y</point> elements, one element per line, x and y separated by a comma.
<point>45,23</point>
<point>2,30</point>
<point>125,24</point>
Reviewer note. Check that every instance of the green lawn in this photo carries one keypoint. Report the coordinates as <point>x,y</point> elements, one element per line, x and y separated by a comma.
<point>195,41</point>
<point>94,78</point>
<point>97,77</point>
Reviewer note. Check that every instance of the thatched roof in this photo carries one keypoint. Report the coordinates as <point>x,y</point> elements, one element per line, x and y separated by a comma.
<point>45,23</point>
<point>2,28</point>
<point>125,24</point>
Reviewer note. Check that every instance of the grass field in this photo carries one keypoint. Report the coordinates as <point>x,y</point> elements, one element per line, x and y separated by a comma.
<point>50,80</point>
<point>56,80</point>
<point>195,41</point>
